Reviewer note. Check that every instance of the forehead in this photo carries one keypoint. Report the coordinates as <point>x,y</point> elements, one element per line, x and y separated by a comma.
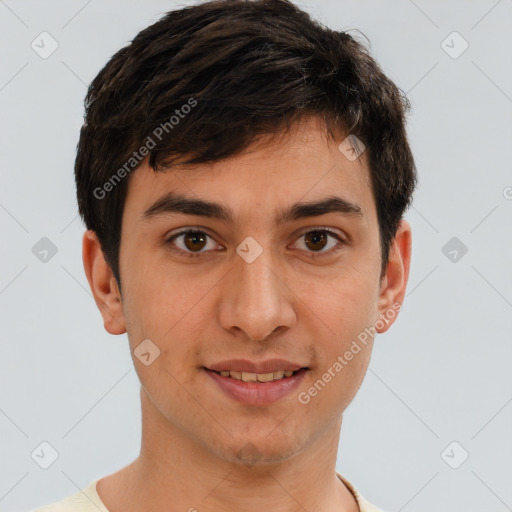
<point>263,180</point>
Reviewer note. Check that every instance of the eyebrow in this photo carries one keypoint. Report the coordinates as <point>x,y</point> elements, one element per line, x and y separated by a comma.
<point>177,203</point>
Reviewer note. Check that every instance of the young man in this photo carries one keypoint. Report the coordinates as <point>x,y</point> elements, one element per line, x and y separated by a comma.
<point>242,172</point>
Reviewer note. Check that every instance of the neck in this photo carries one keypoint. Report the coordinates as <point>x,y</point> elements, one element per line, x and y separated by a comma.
<point>174,468</point>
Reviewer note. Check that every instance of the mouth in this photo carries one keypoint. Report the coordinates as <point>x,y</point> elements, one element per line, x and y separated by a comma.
<point>258,389</point>
<point>258,377</point>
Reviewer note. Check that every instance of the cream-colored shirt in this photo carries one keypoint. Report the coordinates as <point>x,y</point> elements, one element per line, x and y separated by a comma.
<point>88,500</point>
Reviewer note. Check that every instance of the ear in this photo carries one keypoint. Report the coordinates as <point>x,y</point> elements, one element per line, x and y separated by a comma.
<point>103,284</point>
<point>394,282</point>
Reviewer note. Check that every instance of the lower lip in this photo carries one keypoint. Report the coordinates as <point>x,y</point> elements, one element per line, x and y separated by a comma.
<point>258,393</point>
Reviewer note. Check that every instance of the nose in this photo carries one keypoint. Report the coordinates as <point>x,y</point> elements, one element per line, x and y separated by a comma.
<point>256,299</point>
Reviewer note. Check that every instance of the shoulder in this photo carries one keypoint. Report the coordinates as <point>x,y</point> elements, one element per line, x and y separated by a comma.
<point>85,500</point>
<point>364,506</point>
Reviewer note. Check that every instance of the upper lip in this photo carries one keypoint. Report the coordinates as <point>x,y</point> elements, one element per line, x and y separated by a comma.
<point>243,365</point>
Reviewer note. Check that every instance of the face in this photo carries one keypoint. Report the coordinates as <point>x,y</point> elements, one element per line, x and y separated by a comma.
<point>263,275</point>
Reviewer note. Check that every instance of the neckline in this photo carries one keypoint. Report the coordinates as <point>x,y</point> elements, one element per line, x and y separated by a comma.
<point>352,491</point>
<point>92,489</point>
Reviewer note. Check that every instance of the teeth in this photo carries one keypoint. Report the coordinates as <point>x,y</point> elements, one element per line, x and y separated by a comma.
<point>262,377</point>
<point>257,377</point>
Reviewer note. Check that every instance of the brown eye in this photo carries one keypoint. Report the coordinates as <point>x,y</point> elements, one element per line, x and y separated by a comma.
<point>316,240</point>
<point>191,242</point>
<point>320,242</point>
<point>195,240</point>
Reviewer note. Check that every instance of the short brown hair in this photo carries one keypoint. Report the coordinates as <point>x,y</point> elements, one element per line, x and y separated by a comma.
<point>208,79</point>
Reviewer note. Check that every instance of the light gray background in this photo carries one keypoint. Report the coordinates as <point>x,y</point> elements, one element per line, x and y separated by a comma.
<point>441,374</point>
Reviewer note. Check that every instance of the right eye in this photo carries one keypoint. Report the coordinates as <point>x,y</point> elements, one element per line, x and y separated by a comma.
<point>192,242</point>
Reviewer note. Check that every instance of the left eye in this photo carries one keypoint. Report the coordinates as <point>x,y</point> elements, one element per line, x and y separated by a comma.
<point>317,240</point>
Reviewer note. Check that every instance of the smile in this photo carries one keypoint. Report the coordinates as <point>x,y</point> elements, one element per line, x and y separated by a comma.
<point>257,377</point>
<point>257,389</point>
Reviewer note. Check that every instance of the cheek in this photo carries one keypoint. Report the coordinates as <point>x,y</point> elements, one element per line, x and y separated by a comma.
<point>345,311</point>
<point>345,305</point>
<point>168,308</point>
<point>339,375</point>
<point>151,288</point>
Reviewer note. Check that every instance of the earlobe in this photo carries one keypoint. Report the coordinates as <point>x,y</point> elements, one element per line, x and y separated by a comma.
<point>103,284</point>
<point>394,283</point>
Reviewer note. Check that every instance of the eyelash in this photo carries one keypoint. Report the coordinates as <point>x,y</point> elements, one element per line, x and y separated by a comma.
<point>332,233</point>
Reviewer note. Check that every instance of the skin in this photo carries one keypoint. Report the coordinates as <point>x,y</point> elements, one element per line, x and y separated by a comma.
<point>216,306</point>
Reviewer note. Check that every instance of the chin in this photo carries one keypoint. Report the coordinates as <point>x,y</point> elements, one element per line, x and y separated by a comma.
<point>262,452</point>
